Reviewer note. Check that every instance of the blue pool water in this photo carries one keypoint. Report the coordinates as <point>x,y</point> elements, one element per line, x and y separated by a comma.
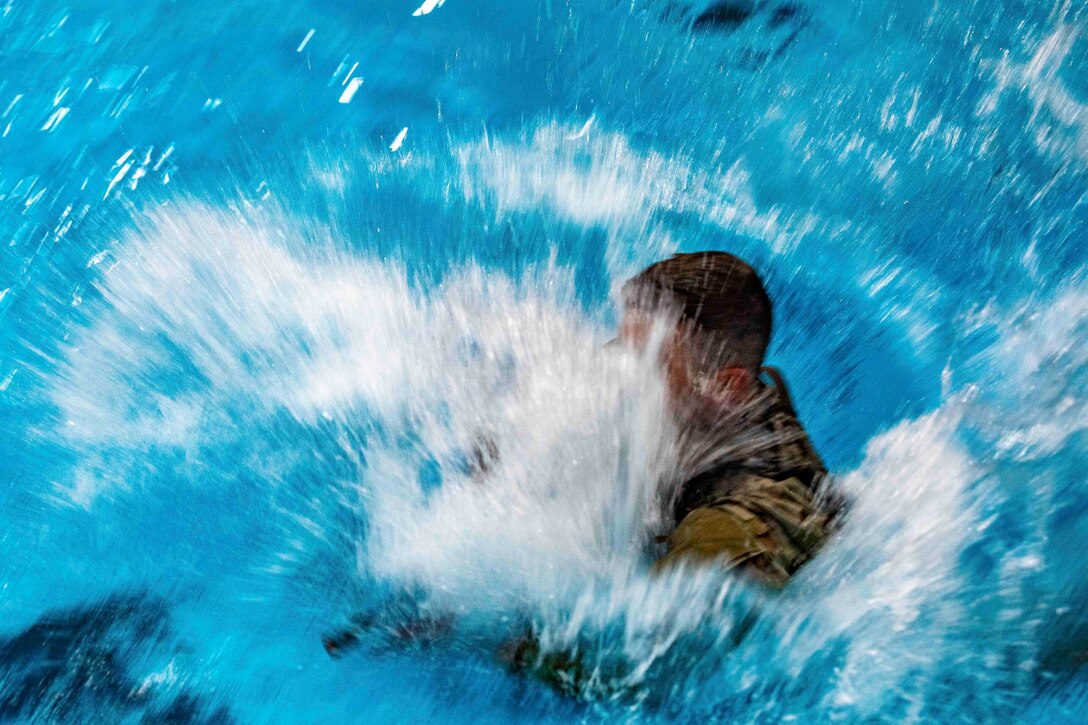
<point>266,269</point>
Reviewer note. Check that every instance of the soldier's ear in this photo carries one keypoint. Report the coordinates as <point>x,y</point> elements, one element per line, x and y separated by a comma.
<point>731,385</point>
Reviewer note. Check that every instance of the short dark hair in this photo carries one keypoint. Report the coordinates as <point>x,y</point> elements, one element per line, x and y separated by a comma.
<point>718,294</point>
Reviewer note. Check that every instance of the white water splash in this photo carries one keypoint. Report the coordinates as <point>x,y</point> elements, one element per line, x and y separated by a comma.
<point>1059,121</point>
<point>428,7</point>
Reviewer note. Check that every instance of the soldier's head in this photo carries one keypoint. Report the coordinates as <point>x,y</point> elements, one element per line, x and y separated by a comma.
<point>721,318</point>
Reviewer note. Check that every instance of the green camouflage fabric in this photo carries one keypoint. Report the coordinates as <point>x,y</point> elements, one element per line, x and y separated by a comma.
<point>759,500</point>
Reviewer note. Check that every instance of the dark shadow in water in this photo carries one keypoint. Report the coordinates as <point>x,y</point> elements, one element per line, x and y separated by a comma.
<point>723,16</point>
<point>74,665</point>
<point>760,31</point>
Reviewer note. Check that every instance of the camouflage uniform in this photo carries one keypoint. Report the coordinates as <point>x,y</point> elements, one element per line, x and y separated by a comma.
<point>758,504</point>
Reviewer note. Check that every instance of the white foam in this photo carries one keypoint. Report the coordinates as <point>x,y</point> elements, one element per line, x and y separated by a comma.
<point>1059,123</point>
<point>567,504</point>
<point>54,120</point>
<point>1030,383</point>
<point>305,41</point>
<point>428,7</point>
<point>600,179</point>
<point>399,140</point>
<point>352,86</point>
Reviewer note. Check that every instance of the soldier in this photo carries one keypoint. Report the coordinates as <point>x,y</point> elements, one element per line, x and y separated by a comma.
<point>751,493</point>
